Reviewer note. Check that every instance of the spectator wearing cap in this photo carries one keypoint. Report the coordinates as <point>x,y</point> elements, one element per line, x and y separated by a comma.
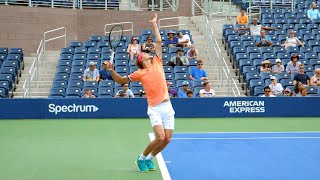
<point>172,92</point>
<point>315,79</point>
<point>88,94</point>
<point>198,72</point>
<point>105,73</point>
<point>190,93</point>
<point>293,65</point>
<point>313,12</point>
<point>206,91</point>
<point>263,40</point>
<point>148,46</point>
<point>171,41</point>
<point>301,76</point>
<point>91,73</point>
<point>267,92</point>
<point>183,93</point>
<point>179,60</point>
<point>304,92</point>
<point>143,94</point>
<point>287,92</point>
<point>125,92</point>
<point>278,67</point>
<point>276,88</point>
<point>183,40</point>
<point>292,41</point>
<point>242,18</point>
<point>265,66</point>
<point>134,48</point>
<point>192,53</point>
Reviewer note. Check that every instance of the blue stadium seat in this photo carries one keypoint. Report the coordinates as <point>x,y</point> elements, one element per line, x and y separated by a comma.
<point>106,83</point>
<point>315,32</point>
<point>311,55</point>
<point>312,89</point>
<point>89,44</point>
<point>257,62</point>
<point>92,57</point>
<point>9,70</point>
<point>75,84</point>
<point>247,44</point>
<point>3,57</point>
<point>90,84</point>
<point>265,75</point>
<point>255,83</point>
<point>77,70</point>
<point>67,51</point>
<point>282,75</point>
<point>94,50</point>
<point>121,56</point>
<point>57,92</point>
<point>137,90</point>
<point>252,50</point>
<point>181,76</point>
<point>105,57</point>
<point>314,62</point>
<point>180,69</point>
<point>277,50</point>
<point>269,56</point>
<point>179,83</point>
<point>121,63</point>
<point>106,91</point>
<point>286,82</point>
<point>255,56</point>
<point>4,51</point>
<point>122,69</point>
<point>94,91</point>
<point>103,44</point>
<point>135,84</point>
<point>250,76</point>
<point>79,57</point>
<point>16,57</point>
<point>168,69</point>
<point>146,32</point>
<point>95,38</point>
<point>306,49</point>
<point>61,77</point>
<point>66,57</point>
<point>243,63</point>
<point>313,43</point>
<point>76,76</point>
<point>133,69</point>
<point>297,27</point>
<point>4,93</point>
<point>81,63</point>
<point>59,84</point>
<point>121,50</point>
<point>183,31</point>
<point>258,91</point>
<point>197,83</point>
<point>80,50</point>
<point>312,26</point>
<point>73,91</point>
<point>75,44</point>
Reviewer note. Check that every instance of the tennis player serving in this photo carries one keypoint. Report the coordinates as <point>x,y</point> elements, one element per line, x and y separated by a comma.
<point>160,111</point>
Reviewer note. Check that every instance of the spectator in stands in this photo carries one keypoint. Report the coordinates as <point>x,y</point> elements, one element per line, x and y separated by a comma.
<point>293,65</point>
<point>276,88</point>
<point>242,18</point>
<point>183,93</point>
<point>266,66</point>
<point>172,92</point>
<point>190,93</point>
<point>263,40</point>
<point>143,94</point>
<point>255,29</point>
<point>304,92</point>
<point>183,40</point>
<point>278,67</point>
<point>179,60</point>
<point>192,53</point>
<point>171,40</point>
<point>134,48</point>
<point>287,92</point>
<point>125,92</point>
<point>207,91</point>
<point>297,88</point>
<point>88,94</point>
<point>148,46</point>
<point>198,72</point>
<point>105,73</point>
<point>301,76</point>
<point>313,12</point>
<point>315,80</point>
<point>267,92</point>
<point>292,41</point>
<point>91,73</point>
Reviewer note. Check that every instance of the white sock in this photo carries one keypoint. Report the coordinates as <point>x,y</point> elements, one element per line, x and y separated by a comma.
<point>149,157</point>
<point>142,157</point>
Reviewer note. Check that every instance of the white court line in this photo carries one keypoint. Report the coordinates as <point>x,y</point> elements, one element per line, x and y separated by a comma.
<point>291,132</point>
<point>243,138</point>
<point>162,165</point>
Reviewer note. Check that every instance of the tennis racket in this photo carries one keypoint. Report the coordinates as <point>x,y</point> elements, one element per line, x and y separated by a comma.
<point>115,37</point>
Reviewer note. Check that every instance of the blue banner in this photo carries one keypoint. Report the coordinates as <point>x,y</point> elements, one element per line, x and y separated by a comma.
<point>137,107</point>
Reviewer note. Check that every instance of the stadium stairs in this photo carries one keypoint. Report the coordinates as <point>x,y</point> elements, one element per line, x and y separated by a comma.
<point>197,28</point>
<point>46,74</point>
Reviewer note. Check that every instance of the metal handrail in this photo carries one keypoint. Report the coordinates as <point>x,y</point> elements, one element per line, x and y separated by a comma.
<point>120,23</point>
<point>58,37</point>
<point>251,8</point>
<point>221,12</point>
<point>236,87</point>
<point>193,6</point>
<point>173,8</point>
<point>173,25</point>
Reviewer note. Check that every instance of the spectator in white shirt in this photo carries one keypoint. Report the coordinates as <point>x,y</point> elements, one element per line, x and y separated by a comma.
<point>207,91</point>
<point>293,65</point>
<point>192,53</point>
<point>125,92</point>
<point>315,80</point>
<point>255,29</point>
<point>183,40</point>
<point>278,68</point>
<point>91,73</point>
<point>275,87</point>
<point>267,92</point>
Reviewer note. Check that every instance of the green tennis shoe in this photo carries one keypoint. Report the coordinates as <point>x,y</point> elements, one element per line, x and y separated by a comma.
<point>150,165</point>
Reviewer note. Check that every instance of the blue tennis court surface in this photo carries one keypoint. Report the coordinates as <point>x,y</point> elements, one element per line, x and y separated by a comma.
<point>243,156</point>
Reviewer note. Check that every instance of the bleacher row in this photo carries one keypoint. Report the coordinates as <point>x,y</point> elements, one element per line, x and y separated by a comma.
<point>248,58</point>
<point>11,64</point>
<point>75,59</point>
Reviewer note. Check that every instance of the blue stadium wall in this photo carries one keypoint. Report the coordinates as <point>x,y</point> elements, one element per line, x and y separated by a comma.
<point>137,108</point>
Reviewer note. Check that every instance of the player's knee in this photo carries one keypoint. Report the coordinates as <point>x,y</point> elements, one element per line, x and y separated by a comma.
<point>160,138</point>
<point>167,139</point>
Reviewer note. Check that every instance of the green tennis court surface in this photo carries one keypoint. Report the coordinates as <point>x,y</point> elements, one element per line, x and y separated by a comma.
<point>104,149</point>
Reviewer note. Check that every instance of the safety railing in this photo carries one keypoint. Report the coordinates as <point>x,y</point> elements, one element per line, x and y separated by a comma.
<point>272,3</point>
<point>253,11</point>
<point>235,89</point>
<point>125,25</point>
<point>196,8</point>
<point>175,24</point>
<point>154,5</point>
<point>45,35</point>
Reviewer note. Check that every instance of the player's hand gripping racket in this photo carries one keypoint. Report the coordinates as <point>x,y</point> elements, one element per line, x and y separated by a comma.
<point>115,37</point>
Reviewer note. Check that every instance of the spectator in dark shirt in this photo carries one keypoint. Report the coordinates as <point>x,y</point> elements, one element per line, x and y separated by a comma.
<point>301,76</point>
<point>171,40</point>
<point>104,73</point>
<point>172,92</point>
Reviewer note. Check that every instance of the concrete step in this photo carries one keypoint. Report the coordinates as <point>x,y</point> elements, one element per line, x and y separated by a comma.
<point>16,96</point>
<point>32,94</point>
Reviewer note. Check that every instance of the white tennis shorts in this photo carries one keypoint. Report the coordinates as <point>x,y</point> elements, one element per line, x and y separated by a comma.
<point>162,114</point>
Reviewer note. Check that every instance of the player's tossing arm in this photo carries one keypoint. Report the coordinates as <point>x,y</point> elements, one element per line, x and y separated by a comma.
<point>116,77</point>
<point>158,41</point>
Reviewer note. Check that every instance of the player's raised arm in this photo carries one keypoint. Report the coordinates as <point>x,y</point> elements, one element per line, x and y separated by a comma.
<point>116,77</point>
<point>158,41</point>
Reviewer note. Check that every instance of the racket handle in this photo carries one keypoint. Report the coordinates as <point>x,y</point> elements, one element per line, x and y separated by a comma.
<point>112,57</point>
